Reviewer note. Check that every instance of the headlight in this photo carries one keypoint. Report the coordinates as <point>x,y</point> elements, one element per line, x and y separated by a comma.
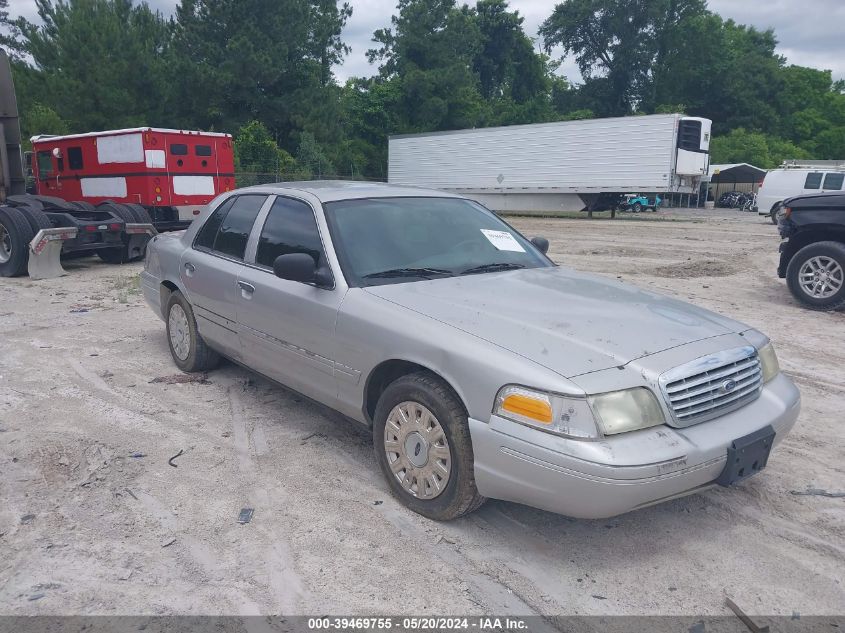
<point>550,412</point>
<point>626,410</point>
<point>768,362</point>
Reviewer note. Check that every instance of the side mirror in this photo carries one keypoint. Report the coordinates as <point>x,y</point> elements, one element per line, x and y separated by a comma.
<point>301,267</point>
<point>542,243</point>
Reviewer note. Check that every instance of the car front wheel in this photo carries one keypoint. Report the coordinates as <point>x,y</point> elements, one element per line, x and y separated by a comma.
<point>188,349</point>
<point>422,443</point>
<point>816,275</point>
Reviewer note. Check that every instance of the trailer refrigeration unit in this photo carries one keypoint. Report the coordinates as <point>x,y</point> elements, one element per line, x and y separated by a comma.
<point>562,166</point>
<point>105,192</point>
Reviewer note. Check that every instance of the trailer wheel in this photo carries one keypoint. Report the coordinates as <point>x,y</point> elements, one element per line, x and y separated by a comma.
<point>142,216</point>
<point>15,236</point>
<point>84,206</point>
<point>117,210</point>
<point>36,217</point>
<point>120,254</point>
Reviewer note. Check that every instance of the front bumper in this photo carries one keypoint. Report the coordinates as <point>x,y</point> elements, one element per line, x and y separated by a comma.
<point>621,473</point>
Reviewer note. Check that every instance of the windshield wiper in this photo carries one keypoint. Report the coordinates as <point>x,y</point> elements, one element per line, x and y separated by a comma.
<point>410,272</point>
<point>491,268</point>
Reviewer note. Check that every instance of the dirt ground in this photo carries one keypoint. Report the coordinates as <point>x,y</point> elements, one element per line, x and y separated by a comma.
<point>94,520</point>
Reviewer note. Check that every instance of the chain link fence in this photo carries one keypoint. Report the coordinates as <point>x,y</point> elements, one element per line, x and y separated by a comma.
<point>250,178</point>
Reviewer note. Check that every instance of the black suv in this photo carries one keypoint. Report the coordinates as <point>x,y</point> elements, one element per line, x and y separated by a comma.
<point>812,255</point>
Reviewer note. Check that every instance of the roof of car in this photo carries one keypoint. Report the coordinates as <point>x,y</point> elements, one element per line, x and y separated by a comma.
<point>832,198</point>
<point>333,190</point>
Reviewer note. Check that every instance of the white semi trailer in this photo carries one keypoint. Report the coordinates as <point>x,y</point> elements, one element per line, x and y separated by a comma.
<point>561,166</point>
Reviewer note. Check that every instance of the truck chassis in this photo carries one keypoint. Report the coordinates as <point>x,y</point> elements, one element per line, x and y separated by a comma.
<point>37,231</point>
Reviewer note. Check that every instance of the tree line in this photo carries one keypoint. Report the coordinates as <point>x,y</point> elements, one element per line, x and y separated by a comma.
<point>265,71</point>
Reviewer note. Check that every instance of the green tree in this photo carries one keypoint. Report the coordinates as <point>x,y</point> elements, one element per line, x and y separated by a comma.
<point>99,64</point>
<point>312,158</point>
<point>9,32</point>
<point>755,148</point>
<point>617,44</point>
<point>40,119</point>
<point>257,152</point>
<point>370,109</point>
<point>429,51</point>
<point>718,69</point>
<point>273,66</point>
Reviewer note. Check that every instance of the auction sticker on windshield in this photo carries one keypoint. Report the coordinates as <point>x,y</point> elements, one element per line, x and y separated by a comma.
<point>503,240</point>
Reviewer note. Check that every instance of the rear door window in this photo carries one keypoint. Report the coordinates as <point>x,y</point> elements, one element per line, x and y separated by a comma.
<point>206,235</point>
<point>227,230</point>
<point>833,182</point>
<point>203,150</point>
<point>814,181</point>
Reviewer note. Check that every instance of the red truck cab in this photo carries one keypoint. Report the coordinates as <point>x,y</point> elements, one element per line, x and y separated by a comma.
<point>172,173</point>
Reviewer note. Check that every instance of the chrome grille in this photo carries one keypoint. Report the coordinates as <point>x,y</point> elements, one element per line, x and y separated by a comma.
<point>713,385</point>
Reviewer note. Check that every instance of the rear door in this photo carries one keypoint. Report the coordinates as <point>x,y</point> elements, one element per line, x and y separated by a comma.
<point>210,269</point>
<point>287,328</point>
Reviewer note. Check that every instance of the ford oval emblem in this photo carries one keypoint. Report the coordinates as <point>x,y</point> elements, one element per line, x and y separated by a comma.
<point>728,386</point>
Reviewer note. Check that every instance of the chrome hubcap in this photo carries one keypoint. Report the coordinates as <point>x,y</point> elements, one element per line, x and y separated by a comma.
<point>180,333</point>
<point>5,245</point>
<point>821,277</point>
<point>417,450</point>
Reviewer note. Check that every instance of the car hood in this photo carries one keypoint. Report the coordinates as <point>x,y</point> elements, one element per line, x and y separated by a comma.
<point>570,322</point>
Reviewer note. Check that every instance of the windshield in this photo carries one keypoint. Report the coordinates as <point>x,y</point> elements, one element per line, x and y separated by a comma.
<point>393,240</point>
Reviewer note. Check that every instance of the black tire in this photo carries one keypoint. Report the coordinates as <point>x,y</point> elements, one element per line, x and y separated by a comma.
<point>120,211</point>
<point>84,206</point>
<point>460,496</point>
<point>14,248</point>
<point>832,250</point>
<point>142,216</point>
<point>774,213</point>
<point>200,356</point>
<point>637,207</point>
<point>36,217</point>
<point>119,254</point>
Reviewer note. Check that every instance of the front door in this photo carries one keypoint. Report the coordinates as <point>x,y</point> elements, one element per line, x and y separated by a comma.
<point>210,269</point>
<point>286,327</point>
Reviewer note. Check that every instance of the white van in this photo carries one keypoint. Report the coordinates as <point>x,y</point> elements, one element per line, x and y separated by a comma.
<point>794,179</point>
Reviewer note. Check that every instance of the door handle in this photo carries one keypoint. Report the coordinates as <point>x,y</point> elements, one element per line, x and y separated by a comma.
<point>246,289</point>
<point>190,268</point>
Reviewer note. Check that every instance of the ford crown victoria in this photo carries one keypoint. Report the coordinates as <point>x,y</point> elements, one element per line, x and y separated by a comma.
<point>483,369</point>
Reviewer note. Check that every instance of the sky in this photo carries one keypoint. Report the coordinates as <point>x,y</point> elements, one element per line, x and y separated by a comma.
<point>809,31</point>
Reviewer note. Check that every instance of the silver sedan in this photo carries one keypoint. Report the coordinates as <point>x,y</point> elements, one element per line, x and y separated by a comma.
<point>482,368</point>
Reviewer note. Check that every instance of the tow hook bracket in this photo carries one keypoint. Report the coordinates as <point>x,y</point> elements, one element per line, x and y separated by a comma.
<point>45,251</point>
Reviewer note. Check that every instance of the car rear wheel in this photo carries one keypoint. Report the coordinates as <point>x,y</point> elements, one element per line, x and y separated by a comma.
<point>774,213</point>
<point>816,276</point>
<point>188,349</point>
<point>422,443</point>
<point>637,207</point>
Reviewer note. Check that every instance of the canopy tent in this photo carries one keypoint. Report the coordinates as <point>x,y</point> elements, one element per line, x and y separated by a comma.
<point>733,177</point>
<point>735,173</point>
